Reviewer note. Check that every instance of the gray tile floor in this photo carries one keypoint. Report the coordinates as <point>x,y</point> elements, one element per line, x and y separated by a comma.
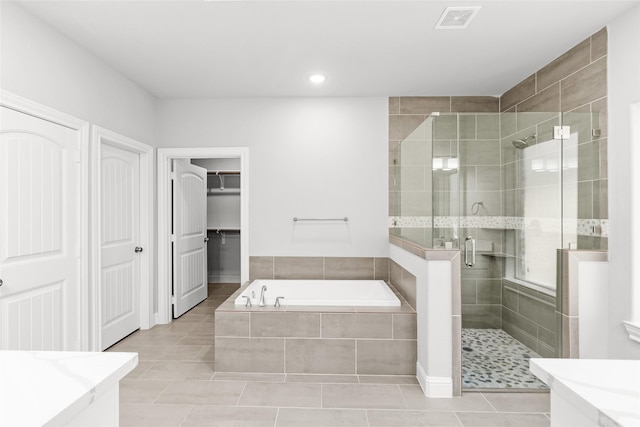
<point>175,384</point>
<point>491,358</point>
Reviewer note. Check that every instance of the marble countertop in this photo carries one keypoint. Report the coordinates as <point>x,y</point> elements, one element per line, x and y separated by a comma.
<point>598,388</point>
<point>40,387</point>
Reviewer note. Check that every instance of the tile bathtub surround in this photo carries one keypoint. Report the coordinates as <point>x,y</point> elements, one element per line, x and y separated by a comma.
<point>314,268</point>
<point>404,282</point>
<point>316,342</point>
<point>187,391</point>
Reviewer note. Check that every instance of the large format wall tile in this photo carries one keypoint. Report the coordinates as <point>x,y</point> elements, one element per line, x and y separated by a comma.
<point>320,356</point>
<point>424,104</point>
<point>298,268</point>
<point>585,86</point>
<point>571,61</point>
<point>518,93</point>
<point>405,326</point>
<point>474,104</point>
<point>384,357</point>
<point>230,324</point>
<point>285,324</point>
<point>347,325</point>
<point>260,267</point>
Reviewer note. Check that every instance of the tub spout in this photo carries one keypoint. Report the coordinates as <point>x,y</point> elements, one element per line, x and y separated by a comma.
<point>262,291</point>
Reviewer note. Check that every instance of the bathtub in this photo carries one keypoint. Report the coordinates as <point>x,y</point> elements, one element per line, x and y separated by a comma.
<point>321,292</point>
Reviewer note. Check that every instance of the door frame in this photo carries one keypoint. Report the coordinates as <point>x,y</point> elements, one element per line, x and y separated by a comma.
<point>100,136</point>
<point>165,267</point>
<point>32,108</point>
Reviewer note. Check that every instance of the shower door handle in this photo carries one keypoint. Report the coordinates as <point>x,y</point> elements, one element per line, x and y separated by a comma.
<point>466,251</point>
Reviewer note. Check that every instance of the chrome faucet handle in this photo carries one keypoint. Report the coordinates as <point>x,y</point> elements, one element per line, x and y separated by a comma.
<point>248,303</point>
<point>277,303</point>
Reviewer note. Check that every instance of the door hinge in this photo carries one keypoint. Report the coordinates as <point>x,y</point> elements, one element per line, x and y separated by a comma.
<point>78,156</point>
<point>173,176</point>
<point>173,237</point>
<point>173,299</point>
<point>561,132</point>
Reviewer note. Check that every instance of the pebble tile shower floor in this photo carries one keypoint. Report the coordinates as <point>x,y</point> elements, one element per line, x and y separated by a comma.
<point>175,384</point>
<point>491,358</point>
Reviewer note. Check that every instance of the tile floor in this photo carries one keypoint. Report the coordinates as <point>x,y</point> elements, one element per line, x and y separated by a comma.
<point>175,384</point>
<point>491,358</point>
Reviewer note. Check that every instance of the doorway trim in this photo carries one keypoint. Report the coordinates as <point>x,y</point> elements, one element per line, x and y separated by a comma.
<point>32,108</point>
<point>100,136</point>
<point>165,156</point>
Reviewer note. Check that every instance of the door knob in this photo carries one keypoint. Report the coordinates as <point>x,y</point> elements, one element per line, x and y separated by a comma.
<point>138,249</point>
<point>1,282</point>
<point>206,239</point>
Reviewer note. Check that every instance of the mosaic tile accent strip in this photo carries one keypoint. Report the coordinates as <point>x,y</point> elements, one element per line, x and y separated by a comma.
<point>491,358</point>
<point>580,227</point>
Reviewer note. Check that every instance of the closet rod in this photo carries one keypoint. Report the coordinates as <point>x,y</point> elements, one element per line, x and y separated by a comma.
<point>223,172</point>
<point>296,219</point>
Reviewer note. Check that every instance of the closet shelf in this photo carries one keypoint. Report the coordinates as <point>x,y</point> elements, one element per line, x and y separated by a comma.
<point>223,229</point>
<point>217,191</point>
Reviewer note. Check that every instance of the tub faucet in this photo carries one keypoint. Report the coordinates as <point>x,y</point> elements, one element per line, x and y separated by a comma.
<point>262,303</point>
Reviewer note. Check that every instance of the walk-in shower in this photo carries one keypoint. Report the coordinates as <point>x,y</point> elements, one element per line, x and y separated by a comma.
<point>500,185</point>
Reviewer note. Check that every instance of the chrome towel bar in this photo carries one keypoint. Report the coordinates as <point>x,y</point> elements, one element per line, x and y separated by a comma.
<point>296,219</point>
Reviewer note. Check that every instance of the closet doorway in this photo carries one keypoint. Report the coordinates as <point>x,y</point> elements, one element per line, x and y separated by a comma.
<point>223,219</point>
<point>227,216</point>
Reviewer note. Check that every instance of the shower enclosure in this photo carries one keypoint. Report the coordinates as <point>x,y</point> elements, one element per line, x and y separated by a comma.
<point>509,190</point>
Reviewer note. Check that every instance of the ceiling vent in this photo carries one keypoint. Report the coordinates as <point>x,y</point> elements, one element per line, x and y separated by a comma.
<point>456,17</point>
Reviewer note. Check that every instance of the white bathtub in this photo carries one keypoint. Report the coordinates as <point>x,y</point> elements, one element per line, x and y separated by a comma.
<point>321,292</point>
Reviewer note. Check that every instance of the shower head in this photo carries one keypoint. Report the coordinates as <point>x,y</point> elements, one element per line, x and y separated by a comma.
<point>523,142</point>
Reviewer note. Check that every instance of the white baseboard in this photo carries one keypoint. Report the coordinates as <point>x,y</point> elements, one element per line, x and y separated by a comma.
<point>224,278</point>
<point>434,386</point>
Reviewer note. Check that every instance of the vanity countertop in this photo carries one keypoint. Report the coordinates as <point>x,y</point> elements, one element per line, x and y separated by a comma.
<point>605,391</point>
<point>52,387</point>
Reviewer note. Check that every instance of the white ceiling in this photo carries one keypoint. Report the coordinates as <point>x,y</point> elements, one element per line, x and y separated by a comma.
<point>201,49</point>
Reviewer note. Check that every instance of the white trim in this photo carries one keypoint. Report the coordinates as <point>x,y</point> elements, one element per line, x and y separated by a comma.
<point>35,109</point>
<point>434,387</point>
<point>101,136</point>
<point>633,330</point>
<point>633,326</point>
<point>165,155</point>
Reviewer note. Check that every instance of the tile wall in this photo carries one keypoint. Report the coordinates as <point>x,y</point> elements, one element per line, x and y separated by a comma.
<point>576,84</point>
<point>360,268</point>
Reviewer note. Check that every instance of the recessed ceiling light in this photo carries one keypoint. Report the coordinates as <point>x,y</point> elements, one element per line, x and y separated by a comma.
<point>456,17</point>
<point>317,78</point>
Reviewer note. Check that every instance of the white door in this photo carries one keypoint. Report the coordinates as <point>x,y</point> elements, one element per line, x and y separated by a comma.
<point>119,243</point>
<point>39,241</point>
<point>189,236</point>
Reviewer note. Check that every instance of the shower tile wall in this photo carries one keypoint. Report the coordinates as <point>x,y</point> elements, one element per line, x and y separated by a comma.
<point>406,122</point>
<point>331,268</point>
<point>574,83</point>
